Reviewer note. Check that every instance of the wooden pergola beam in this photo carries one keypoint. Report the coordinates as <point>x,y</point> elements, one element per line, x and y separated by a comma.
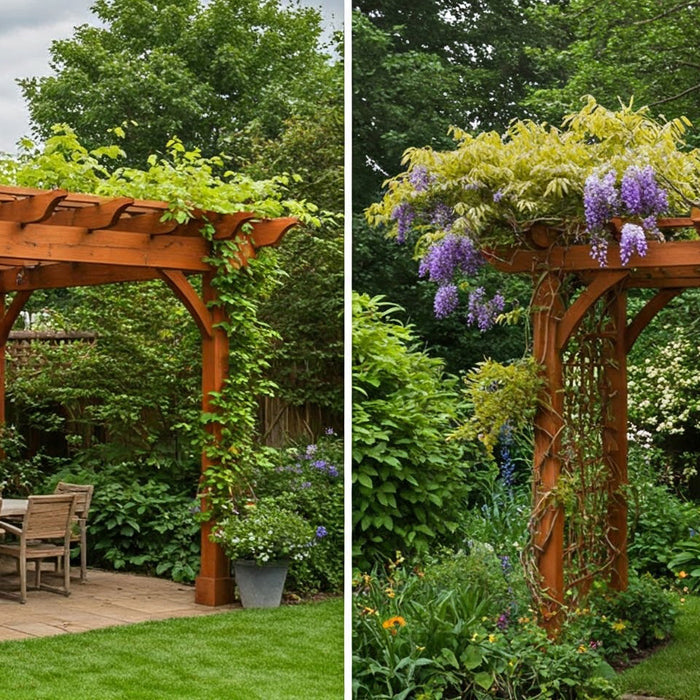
<point>63,275</point>
<point>577,258</point>
<point>46,243</point>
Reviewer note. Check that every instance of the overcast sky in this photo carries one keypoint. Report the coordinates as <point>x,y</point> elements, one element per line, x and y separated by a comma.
<point>27,29</point>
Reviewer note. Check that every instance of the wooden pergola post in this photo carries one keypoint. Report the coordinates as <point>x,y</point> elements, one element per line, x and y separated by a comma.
<point>54,239</point>
<point>548,515</point>
<point>615,436</point>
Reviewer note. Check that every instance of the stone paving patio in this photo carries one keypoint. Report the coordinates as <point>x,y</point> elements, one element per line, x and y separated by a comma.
<point>105,600</point>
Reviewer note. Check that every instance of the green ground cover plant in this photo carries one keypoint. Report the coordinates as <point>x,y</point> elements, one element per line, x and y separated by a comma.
<point>292,652</point>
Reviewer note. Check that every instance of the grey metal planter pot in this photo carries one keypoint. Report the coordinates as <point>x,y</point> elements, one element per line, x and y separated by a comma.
<point>260,586</point>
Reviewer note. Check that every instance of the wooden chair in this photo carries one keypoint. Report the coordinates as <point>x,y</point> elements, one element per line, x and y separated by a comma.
<point>83,498</point>
<point>45,533</point>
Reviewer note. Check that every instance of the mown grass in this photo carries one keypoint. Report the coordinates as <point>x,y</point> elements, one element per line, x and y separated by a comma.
<point>275,654</point>
<point>672,672</point>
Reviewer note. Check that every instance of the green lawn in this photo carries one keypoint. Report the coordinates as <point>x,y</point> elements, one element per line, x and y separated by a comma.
<point>275,654</point>
<point>674,671</point>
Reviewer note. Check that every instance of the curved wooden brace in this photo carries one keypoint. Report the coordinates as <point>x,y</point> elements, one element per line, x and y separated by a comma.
<point>11,314</point>
<point>643,318</point>
<point>269,232</point>
<point>574,314</point>
<point>32,209</point>
<point>94,216</point>
<point>186,293</point>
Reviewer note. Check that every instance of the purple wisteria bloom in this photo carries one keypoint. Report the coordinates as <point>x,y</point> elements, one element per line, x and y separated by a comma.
<point>442,216</point>
<point>641,194</point>
<point>403,214</point>
<point>600,200</point>
<point>420,178</point>
<point>599,249</point>
<point>482,312</point>
<point>446,300</point>
<point>450,255</point>
<point>632,239</point>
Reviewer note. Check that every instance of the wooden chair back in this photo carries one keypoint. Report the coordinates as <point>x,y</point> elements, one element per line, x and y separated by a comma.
<point>48,517</point>
<point>83,496</point>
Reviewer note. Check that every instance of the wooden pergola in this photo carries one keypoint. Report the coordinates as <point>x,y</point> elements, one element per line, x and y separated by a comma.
<point>668,267</point>
<point>53,239</point>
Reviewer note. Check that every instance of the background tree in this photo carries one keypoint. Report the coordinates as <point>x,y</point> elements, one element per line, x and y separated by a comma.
<point>166,68</point>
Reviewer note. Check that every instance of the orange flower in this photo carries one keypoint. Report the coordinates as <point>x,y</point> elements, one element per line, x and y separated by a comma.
<point>682,574</point>
<point>394,623</point>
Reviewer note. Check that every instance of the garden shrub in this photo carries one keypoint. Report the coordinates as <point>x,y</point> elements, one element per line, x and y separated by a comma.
<point>309,480</point>
<point>418,635</point>
<point>410,484</point>
<point>139,524</point>
<point>621,622</point>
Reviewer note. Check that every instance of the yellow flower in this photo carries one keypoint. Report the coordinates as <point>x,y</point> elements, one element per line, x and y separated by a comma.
<point>390,593</point>
<point>368,611</point>
<point>581,649</point>
<point>475,637</point>
<point>492,638</point>
<point>394,623</point>
<point>618,626</point>
<point>682,574</point>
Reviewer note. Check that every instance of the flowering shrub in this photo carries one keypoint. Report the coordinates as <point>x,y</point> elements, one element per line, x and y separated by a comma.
<point>416,634</point>
<point>493,188</point>
<point>264,531</point>
<point>308,478</point>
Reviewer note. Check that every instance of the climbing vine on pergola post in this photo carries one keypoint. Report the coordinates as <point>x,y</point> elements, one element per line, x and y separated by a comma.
<point>53,238</point>
<point>581,338</point>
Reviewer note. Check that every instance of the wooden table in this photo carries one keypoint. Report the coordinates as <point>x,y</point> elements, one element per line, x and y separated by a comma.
<point>13,507</point>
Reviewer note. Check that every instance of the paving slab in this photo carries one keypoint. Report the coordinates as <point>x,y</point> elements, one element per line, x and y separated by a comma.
<point>106,599</point>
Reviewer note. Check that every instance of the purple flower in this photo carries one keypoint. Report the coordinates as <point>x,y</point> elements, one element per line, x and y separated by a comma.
<point>329,431</point>
<point>320,464</point>
<point>600,200</point>
<point>503,620</point>
<point>448,256</point>
<point>311,451</point>
<point>446,300</point>
<point>599,249</point>
<point>420,178</point>
<point>481,311</point>
<point>321,531</point>
<point>640,192</point>
<point>442,216</point>
<point>632,240</point>
<point>305,485</point>
<point>498,196</point>
<point>403,214</point>
<point>332,471</point>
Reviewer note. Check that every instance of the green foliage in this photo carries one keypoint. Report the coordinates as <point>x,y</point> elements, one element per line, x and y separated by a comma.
<point>409,484</point>
<point>629,48</point>
<point>500,395</point>
<point>137,523</point>
<point>623,622</point>
<point>309,480</point>
<point>417,634</point>
<point>684,561</point>
<point>539,173</point>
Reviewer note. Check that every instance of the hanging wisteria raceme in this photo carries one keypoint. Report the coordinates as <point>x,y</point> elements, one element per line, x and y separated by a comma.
<point>639,196</point>
<point>482,311</point>
<point>420,178</point>
<point>451,255</point>
<point>632,240</point>
<point>446,300</point>
<point>404,215</point>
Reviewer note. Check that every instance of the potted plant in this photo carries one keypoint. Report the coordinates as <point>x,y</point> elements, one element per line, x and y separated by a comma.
<point>261,539</point>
